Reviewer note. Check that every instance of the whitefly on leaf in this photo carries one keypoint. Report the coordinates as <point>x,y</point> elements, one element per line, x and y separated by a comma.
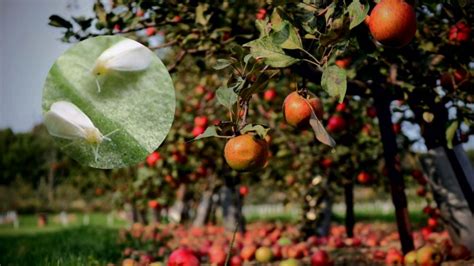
<point>65,120</point>
<point>126,55</point>
<point>137,105</point>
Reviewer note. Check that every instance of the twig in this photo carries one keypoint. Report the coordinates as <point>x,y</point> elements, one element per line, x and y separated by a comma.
<point>245,108</point>
<point>163,45</point>
<point>179,58</point>
<point>227,259</point>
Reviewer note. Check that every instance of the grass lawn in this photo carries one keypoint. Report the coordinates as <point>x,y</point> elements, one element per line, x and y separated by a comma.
<point>76,244</point>
<point>93,245</point>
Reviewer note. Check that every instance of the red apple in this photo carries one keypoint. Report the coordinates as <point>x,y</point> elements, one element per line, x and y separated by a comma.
<point>261,14</point>
<point>341,107</point>
<point>371,112</point>
<point>244,191</point>
<point>393,22</point>
<point>364,177</point>
<point>276,251</point>
<point>248,252</point>
<point>460,32</point>
<point>198,131</point>
<point>344,63</point>
<point>379,255</point>
<point>153,158</point>
<point>421,191</point>
<point>200,90</point>
<point>236,261</point>
<point>396,128</point>
<point>217,255</point>
<point>432,222</point>
<point>200,121</point>
<point>183,257</point>
<point>326,163</point>
<point>394,257</point>
<point>321,258</point>
<point>336,124</point>
<point>270,95</point>
<point>209,96</point>
<point>150,31</point>
<point>154,204</point>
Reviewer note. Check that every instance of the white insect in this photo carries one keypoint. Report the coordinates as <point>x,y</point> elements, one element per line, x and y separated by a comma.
<point>126,55</point>
<point>65,120</point>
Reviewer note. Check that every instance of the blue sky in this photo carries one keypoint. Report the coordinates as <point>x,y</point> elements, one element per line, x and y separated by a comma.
<point>28,48</point>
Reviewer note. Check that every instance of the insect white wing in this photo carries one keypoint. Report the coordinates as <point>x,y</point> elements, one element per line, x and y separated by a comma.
<point>65,120</point>
<point>59,127</point>
<point>70,112</point>
<point>127,55</point>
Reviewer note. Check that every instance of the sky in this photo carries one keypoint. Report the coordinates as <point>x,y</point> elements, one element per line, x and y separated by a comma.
<point>28,48</point>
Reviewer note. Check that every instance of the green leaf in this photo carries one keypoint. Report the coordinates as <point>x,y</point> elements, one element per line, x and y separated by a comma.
<point>209,132</point>
<point>320,132</point>
<point>99,10</point>
<point>200,17</point>
<point>287,37</point>
<point>450,132</point>
<point>247,58</point>
<point>334,81</point>
<point>276,20</point>
<point>138,106</point>
<point>57,21</point>
<point>357,13</point>
<point>226,96</point>
<point>330,11</point>
<point>271,53</point>
<point>83,22</point>
<point>260,130</point>
<point>262,27</point>
<point>221,64</point>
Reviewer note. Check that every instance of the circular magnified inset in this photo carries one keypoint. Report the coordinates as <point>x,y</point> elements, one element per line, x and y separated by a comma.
<point>108,101</point>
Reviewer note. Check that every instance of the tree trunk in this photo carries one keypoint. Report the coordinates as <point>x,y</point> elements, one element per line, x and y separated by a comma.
<point>142,217</point>
<point>449,196</point>
<point>51,174</point>
<point>204,209</point>
<point>350,217</point>
<point>134,211</point>
<point>232,207</point>
<point>155,214</point>
<point>177,212</point>
<point>397,185</point>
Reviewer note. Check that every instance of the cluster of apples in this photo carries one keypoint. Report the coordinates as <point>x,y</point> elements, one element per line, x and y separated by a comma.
<point>276,244</point>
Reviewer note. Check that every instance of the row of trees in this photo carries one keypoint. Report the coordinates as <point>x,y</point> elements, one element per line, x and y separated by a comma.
<point>233,64</point>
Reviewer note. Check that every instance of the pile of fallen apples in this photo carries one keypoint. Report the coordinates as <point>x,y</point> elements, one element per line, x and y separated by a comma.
<point>278,244</point>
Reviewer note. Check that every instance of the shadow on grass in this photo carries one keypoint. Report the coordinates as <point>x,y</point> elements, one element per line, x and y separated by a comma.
<point>74,246</point>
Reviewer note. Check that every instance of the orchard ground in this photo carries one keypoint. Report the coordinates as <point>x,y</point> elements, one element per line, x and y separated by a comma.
<point>96,243</point>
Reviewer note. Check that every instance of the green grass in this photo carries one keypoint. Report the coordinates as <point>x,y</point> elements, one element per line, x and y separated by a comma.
<point>92,245</point>
<point>28,224</point>
<point>55,244</point>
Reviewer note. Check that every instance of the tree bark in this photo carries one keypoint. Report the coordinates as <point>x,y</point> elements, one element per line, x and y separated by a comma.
<point>204,209</point>
<point>449,197</point>
<point>349,200</point>
<point>231,203</point>
<point>177,212</point>
<point>397,185</point>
